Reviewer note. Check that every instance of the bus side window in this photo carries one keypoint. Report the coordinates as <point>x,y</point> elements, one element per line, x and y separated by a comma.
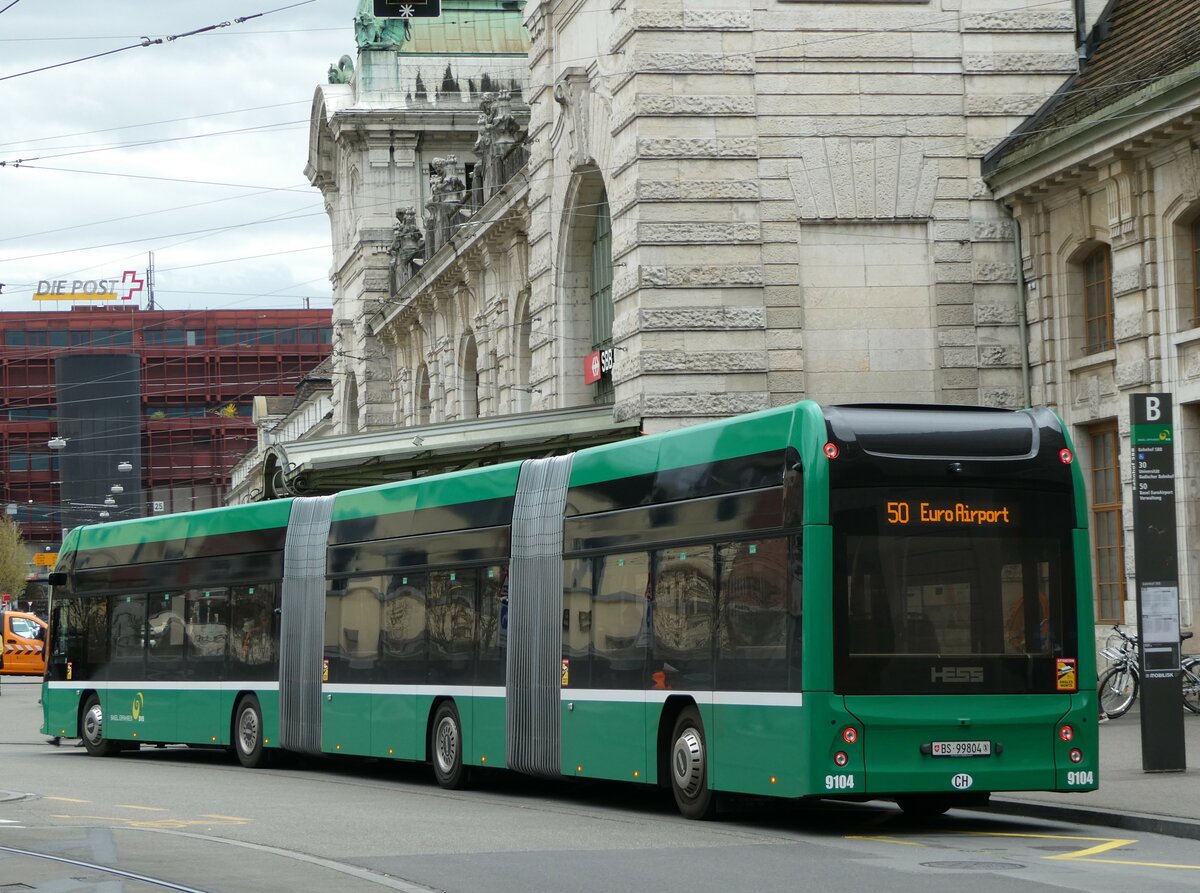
<point>493,625</point>
<point>754,599</point>
<point>577,635</point>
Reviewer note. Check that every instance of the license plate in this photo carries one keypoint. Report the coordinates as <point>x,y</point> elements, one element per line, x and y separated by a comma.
<point>961,748</point>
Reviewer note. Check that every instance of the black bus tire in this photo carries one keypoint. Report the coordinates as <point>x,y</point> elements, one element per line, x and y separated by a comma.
<point>91,729</point>
<point>687,765</point>
<point>248,733</point>
<point>446,748</point>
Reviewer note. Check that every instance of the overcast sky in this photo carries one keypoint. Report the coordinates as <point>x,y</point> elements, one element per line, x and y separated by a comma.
<point>261,240</point>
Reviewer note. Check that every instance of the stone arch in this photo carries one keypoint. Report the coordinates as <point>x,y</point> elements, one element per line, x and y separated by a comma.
<point>1069,290</point>
<point>468,378</point>
<point>522,355</point>
<point>421,403</point>
<point>350,421</point>
<point>1181,244</point>
<point>585,195</point>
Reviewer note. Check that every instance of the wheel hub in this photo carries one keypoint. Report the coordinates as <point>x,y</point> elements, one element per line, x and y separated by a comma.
<point>93,724</point>
<point>248,731</point>
<point>446,745</point>
<point>687,762</point>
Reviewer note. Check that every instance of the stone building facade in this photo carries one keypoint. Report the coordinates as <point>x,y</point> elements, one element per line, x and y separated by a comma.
<point>725,207</point>
<point>680,209</point>
<point>1104,183</point>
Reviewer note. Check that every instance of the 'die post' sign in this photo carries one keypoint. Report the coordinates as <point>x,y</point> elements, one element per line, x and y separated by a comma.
<point>1156,568</point>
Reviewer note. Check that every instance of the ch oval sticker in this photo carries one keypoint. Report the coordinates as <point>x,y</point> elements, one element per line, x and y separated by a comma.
<point>962,781</point>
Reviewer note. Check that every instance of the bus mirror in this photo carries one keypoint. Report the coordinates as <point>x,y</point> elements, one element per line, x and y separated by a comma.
<point>56,579</point>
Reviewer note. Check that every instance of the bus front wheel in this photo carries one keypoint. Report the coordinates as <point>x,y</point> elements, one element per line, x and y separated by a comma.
<point>248,733</point>
<point>445,746</point>
<point>689,767</point>
<point>91,729</point>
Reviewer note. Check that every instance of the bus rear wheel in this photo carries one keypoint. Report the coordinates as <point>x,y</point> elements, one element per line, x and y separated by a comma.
<point>91,729</point>
<point>688,767</point>
<point>445,746</point>
<point>248,733</point>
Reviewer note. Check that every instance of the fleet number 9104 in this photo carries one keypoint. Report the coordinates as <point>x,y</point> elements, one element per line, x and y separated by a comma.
<point>839,782</point>
<point>1083,776</point>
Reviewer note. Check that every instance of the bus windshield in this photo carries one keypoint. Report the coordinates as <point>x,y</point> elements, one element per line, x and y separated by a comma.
<point>951,590</point>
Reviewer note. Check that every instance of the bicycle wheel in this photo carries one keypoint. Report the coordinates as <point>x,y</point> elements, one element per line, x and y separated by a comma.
<point>1118,689</point>
<point>1190,672</point>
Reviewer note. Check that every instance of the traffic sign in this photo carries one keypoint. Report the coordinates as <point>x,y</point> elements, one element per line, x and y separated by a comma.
<point>45,559</point>
<point>407,9</point>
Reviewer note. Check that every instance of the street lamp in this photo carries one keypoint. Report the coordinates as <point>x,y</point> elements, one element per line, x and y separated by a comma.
<point>108,500</point>
<point>117,488</point>
<point>125,466</point>
<point>56,442</point>
<point>104,514</point>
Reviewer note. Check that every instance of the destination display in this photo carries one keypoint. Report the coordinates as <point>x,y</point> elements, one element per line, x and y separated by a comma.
<point>946,513</point>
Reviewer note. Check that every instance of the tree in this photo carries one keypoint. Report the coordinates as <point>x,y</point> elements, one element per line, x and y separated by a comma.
<point>14,566</point>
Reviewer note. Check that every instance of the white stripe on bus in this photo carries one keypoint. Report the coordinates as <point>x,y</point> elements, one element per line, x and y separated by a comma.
<point>649,696</point>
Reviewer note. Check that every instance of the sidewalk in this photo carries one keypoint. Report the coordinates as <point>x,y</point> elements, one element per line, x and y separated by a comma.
<point>1129,797</point>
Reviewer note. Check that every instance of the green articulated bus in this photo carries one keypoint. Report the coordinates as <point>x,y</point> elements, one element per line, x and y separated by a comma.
<point>850,602</point>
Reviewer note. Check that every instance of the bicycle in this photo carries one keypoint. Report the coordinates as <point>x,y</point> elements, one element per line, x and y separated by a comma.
<point>1118,687</point>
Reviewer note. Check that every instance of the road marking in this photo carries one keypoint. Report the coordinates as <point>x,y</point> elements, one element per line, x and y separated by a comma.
<point>883,838</point>
<point>230,818</point>
<point>68,800</point>
<point>146,808</point>
<point>1103,845</point>
<point>150,824</point>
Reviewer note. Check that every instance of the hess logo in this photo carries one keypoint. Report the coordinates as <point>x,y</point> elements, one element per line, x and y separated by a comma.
<point>956,674</point>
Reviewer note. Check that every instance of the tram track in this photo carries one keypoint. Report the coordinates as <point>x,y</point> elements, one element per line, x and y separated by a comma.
<point>103,869</point>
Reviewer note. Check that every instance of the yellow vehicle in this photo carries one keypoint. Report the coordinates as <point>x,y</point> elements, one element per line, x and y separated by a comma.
<point>24,652</point>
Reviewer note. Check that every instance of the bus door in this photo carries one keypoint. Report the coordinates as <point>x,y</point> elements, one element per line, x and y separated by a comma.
<point>24,644</point>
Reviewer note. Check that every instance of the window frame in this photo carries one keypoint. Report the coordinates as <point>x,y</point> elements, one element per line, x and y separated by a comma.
<point>1096,285</point>
<point>1105,516</point>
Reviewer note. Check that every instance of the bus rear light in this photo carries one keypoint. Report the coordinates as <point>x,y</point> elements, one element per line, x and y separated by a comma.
<point>1066,733</point>
<point>1066,457</point>
<point>840,758</point>
<point>831,451</point>
<point>1076,755</point>
<point>849,734</point>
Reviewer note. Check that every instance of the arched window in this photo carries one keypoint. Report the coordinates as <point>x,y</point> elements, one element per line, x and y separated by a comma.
<point>1097,300</point>
<point>600,288</point>
<point>1195,269</point>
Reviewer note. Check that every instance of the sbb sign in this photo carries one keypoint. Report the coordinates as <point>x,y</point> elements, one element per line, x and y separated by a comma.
<point>122,289</point>
<point>597,364</point>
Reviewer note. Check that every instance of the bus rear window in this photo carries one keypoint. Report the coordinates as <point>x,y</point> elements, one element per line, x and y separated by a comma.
<point>952,591</point>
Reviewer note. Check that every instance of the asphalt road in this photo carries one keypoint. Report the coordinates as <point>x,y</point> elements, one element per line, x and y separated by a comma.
<point>194,820</point>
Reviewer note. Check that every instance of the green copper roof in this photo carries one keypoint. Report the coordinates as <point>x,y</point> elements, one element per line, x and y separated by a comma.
<point>465,28</point>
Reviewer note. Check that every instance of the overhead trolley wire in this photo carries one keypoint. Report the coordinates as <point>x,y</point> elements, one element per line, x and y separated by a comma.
<point>151,41</point>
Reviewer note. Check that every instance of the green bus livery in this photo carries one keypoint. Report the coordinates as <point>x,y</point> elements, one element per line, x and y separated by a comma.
<point>852,602</point>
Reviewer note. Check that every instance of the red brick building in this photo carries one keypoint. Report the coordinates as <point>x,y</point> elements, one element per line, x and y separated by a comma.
<point>178,414</point>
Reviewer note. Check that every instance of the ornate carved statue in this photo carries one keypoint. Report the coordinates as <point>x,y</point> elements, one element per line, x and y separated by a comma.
<point>447,201</point>
<point>342,72</point>
<point>371,33</point>
<point>408,247</point>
